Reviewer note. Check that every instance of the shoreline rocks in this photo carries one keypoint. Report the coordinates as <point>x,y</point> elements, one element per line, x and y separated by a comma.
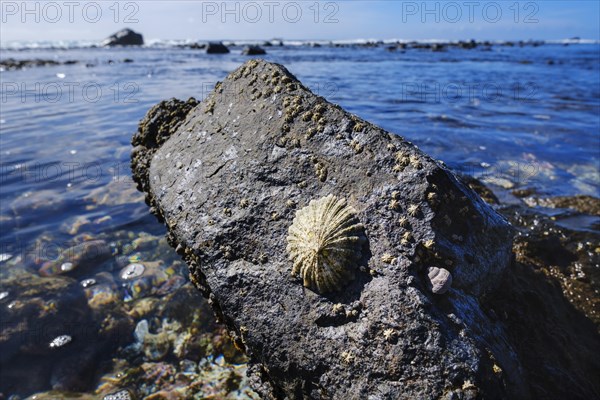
<point>227,177</point>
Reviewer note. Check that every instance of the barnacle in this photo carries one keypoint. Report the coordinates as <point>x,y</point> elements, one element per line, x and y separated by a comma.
<point>403,221</point>
<point>402,158</point>
<point>320,170</point>
<point>394,204</point>
<point>413,210</point>
<point>325,243</point>
<point>397,168</point>
<point>356,146</point>
<point>432,197</point>
<point>389,334</point>
<point>429,244</point>
<point>320,108</point>
<point>359,127</point>
<point>415,162</point>
<point>337,308</point>
<point>387,258</point>
<point>406,238</point>
<point>348,357</point>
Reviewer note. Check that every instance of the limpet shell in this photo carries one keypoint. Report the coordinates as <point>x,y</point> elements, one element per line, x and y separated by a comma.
<point>132,271</point>
<point>440,279</point>
<point>325,243</point>
<point>60,341</point>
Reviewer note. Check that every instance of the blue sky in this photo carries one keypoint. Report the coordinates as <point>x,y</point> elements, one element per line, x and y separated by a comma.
<point>337,20</point>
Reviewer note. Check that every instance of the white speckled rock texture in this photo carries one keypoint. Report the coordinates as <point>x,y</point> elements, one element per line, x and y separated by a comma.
<point>263,140</point>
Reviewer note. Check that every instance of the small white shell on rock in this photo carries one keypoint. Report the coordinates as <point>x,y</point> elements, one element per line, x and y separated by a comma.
<point>325,243</point>
<point>66,267</point>
<point>440,279</point>
<point>132,271</point>
<point>86,283</point>
<point>120,395</point>
<point>60,341</point>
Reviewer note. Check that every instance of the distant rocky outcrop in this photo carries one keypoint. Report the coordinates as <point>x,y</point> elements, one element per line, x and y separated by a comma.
<point>253,51</point>
<point>125,37</point>
<point>216,48</point>
<point>12,64</point>
<point>243,181</point>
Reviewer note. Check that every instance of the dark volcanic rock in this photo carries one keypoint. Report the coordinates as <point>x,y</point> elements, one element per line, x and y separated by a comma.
<point>216,48</point>
<point>549,300</point>
<point>125,37</point>
<point>227,183</point>
<point>253,51</point>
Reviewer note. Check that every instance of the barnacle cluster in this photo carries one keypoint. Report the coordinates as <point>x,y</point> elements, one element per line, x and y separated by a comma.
<point>325,243</point>
<point>320,170</point>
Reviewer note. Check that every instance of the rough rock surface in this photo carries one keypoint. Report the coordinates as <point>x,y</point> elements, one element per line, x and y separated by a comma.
<point>227,180</point>
<point>125,37</point>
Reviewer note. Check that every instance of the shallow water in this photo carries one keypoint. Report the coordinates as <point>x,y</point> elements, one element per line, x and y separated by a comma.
<point>518,117</point>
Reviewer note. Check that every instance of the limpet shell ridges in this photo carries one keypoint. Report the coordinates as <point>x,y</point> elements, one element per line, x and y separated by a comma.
<point>440,279</point>
<point>325,243</point>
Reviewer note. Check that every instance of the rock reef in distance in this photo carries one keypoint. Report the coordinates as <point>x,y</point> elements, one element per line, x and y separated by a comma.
<point>125,37</point>
<point>216,48</point>
<point>227,176</point>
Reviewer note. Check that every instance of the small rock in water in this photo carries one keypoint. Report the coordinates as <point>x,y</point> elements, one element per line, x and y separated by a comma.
<point>88,282</point>
<point>60,341</point>
<point>132,271</point>
<point>141,330</point>
<point>120,395</point>
<point>66,267</point>
<point>3,295</point>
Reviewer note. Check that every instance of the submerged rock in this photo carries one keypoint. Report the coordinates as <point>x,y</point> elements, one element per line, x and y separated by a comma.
<point>228,182</point>
<point>76,259</point>
<point>45,321</point>
<point>125,37</point>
